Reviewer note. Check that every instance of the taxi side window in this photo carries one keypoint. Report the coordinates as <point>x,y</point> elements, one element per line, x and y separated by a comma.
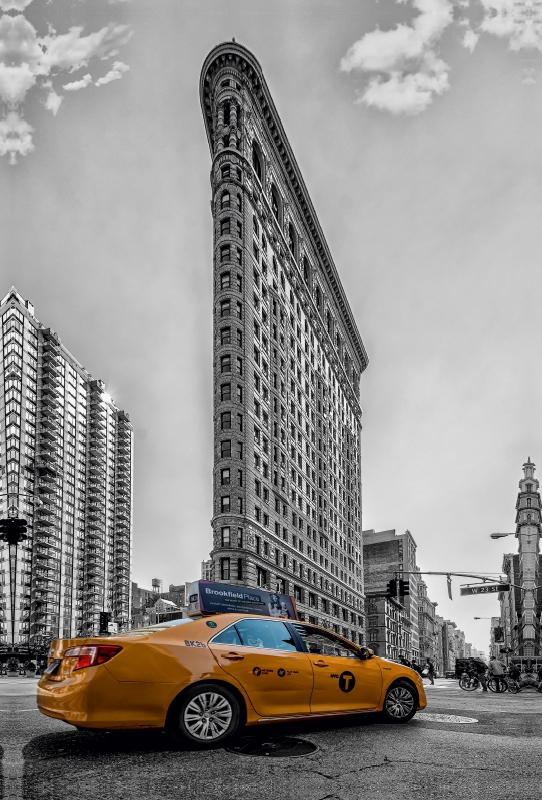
<point>319,643</point>
<point>227,636</point>
<point>265,633</point>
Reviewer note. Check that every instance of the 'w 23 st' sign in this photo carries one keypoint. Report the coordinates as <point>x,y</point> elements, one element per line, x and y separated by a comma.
<point>485,588</point>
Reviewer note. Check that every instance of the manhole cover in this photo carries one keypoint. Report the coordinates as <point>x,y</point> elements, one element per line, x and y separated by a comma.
<point>448,718</point>
<point>272,748</point>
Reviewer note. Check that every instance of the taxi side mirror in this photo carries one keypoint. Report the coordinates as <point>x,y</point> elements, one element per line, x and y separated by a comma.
<point>365,653</point>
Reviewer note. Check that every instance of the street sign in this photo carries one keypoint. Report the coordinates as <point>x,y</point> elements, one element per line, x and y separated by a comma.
<point>485,588</point>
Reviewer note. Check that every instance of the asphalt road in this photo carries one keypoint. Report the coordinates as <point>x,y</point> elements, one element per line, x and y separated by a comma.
<point>498,756</point>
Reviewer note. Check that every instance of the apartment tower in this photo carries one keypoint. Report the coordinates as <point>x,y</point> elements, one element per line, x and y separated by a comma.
<point>65,467</point>
<point>287,363</point>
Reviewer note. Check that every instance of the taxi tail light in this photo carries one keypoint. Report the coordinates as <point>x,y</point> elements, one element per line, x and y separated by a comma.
<point>91,655</point>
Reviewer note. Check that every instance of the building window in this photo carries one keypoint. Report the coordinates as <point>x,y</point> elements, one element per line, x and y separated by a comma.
<point>261,577</point>
<point>529,502</point>
<point>257,161</point>
<point>225,171</point>
<point>225,448</point>
<point>225,200</point>
<point>225,504</point>
<point>225,308</point>
<point>225,537</point>
<point>225,569</point>
<point>225,476</point>
<point>225,391</point>
<point>239,310</point>
<point>239,337</point>
<point>224,253</point>
<point>239,569</point>
<point>225,363</point>
<point>225,280</point>
<point>275,203</point>
<point>292,240</point>
<point>225,420</point>
<point>318,298</point>
<point>258,513</point>
<point>306,271</point>
<point>239,365</point>
<point>225,336</point>
<point>225,226</point>
<point>239,393</point>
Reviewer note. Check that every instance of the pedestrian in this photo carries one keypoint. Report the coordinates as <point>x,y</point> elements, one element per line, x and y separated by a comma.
<point>404,661</point>
<point>496,670</point>
<point>480,668</point>
<point>428,671</point>
<point>416,667</point>
<point>539,676</point>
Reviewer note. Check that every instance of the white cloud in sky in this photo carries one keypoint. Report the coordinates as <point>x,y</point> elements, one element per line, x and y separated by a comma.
<point>405,72</point>
<point>470,39</point>
<point>53,102</point>
<point>15,137</point>
<point>14,5</point>
<point>80,84</point>
<point>406,58</point>
<point>28,60</point>
<point>114,74</point>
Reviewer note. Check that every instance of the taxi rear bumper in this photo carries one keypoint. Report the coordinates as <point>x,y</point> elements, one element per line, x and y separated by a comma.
<point>101,702</point>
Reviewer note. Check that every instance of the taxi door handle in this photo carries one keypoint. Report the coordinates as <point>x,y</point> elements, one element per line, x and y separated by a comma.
<point>320,664</point>
<point>232,656</point>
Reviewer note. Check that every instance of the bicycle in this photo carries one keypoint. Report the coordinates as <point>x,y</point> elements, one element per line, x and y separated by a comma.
<point>505,683</point>
<point>469,682</point>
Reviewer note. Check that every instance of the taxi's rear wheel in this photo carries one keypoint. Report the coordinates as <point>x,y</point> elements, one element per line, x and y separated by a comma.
<point>401,702</point>
<point>206,716</point>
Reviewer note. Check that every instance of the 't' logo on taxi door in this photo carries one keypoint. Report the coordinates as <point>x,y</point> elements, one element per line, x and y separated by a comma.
<point>346,681</point>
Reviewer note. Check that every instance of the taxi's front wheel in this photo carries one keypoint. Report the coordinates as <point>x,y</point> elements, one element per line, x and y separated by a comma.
<point>401,702</point>
<point>206,716</point>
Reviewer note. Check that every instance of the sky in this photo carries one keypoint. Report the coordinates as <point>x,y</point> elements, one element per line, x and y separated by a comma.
<point>416,127</point>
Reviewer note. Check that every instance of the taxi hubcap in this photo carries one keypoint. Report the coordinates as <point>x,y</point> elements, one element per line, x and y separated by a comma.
<point>208,716</point>
<point>399,702</point>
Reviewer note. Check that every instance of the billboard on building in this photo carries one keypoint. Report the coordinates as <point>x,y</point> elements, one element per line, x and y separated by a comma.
<point>207,597</point>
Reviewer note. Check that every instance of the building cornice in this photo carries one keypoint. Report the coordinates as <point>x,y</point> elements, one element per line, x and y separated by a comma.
<point>233,54</point>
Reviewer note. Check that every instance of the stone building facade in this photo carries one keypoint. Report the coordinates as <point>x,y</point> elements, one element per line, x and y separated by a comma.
<point>521,607</point>
<point>287,363</point>
<point>386,554</point>
<point>65,467</point>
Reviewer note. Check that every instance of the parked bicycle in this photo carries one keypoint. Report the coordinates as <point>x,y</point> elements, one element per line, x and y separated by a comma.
<point>505,683</point>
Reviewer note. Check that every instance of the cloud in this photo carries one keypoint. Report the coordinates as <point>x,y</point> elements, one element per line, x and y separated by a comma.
<point>28,60</point>
<point>406,57</point>
<point>14,5</point>
<point>470,39</point>
<point>75,85</point>
<point>114,74</point>
<point>15,137</point>
<point>53,101</point>
<point>72,51</point>
<point>405,94</point>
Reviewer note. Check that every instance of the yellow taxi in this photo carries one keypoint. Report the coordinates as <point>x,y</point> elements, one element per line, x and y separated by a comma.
<point>201,679</point>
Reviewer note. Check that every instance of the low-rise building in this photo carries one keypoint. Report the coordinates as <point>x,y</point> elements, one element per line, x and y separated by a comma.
<point>387,626</point>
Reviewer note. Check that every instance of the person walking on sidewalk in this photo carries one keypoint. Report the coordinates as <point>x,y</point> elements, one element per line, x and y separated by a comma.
<point>428,671</point>
<point>496,670</point>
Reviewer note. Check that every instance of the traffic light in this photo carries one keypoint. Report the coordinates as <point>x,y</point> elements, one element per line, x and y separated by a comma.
<point>13,530</point>
<point>105,618</point>
<point>498,634</point>
<point>391,589</point>
<point>404,588</point>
